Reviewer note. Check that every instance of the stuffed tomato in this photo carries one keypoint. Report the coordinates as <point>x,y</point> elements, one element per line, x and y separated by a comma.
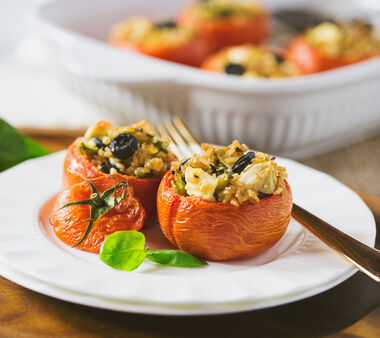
<point>332,44</point>
<point>135,152</point>
<point>251,62</point>
<point>226,203</point>
<point>164,40</point>
<point>84,215</point>
<point>224,22</point>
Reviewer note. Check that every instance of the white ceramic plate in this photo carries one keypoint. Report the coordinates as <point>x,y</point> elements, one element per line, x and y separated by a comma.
<point>146,308</point>
<point>298,266</point>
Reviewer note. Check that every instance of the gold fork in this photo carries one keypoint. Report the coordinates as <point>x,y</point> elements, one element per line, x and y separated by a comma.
<point>365,258</point>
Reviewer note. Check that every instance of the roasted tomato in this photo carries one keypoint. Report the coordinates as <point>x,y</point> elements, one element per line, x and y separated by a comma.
<point>221,231</point>
<point>333,44</point>
<point>163,40</point>
<point>77,164</point>
<point>310,59</point>
<point>136,152</point>
<point>223,22</point>
<point>69,222</point>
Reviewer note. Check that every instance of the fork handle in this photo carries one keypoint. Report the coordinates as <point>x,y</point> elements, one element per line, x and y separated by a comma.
<point>365,258</point>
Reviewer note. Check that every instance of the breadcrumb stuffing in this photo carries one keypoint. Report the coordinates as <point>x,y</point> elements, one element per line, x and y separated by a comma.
<point>351,40</point>
<point>231,174</point>
<point>151,158</point>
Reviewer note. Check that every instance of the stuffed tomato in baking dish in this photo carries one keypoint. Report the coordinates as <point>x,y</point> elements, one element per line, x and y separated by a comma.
<point>250,61</point>
<point>225,22</point>
<point>135,152</point>
<point>164,40</point>
<point>333,44</point>
<point>225,203</point>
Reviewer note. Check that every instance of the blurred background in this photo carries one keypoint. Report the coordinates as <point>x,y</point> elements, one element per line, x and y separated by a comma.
<point>31,95</point>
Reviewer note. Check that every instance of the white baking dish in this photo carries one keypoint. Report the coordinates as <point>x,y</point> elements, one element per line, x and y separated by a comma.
<point>297,117</point>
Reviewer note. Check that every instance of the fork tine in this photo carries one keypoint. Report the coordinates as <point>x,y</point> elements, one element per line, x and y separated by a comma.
<point>179,140</point>
<point>163,133</point>
<point>186,134</point>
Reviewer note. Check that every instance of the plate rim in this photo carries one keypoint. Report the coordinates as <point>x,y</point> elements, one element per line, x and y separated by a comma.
<point>307,292</point>
<point>44,288</point>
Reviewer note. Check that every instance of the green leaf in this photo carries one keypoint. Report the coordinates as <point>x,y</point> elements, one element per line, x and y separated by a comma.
<point>124,250</point>
<point>110,200</point>
<point>174,258</point>
<point>33,148</point>
<point>16,148</point>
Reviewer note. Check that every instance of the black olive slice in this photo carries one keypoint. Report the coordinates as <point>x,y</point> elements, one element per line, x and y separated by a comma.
<point>261,195</point>
<point>182,163</point>
<point>113,166</point>
<point>104,168</point>
<point>106,165</point>
<point>368,26</point>
<point>165,24</point>
<point>242,162</point>
<point>279,58</point>
<point>124,145</point>
<point>360,22</point>
<point>98,143</point>
<point>220,172</point>
<point>224,13</point>
<point>216,171</point>
<point>234,69</point>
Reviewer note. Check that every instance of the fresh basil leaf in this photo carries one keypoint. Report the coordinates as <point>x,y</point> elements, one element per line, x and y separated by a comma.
<point>174,258</point>
<point>127,260</point>
<point>123,240</point>
<point>124,250</point>
<point>16,148</point>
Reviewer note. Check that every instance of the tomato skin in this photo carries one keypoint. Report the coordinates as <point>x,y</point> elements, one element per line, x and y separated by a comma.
<point>76,163</point>
<point>213,64</point>
<point>127,215</point>
<point>191,53</point>
<point>310,59</point>
<point>221,33</point>
<point>219,231</point>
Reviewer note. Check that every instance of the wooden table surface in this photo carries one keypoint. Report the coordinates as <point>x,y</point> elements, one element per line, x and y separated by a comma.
<point>350,309</point>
